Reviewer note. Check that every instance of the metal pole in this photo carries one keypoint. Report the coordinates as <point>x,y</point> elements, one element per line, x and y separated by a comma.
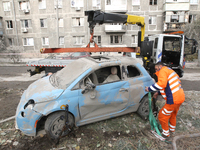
<point>15,22</point>
<point>57,23</point>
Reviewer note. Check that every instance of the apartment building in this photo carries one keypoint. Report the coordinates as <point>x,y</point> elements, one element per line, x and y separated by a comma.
<point>36,24</point>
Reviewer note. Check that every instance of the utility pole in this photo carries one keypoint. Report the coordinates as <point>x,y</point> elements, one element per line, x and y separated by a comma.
<point>57,21</point>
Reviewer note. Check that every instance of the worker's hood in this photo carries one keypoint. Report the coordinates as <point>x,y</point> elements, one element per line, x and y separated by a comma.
<point>42,90</point>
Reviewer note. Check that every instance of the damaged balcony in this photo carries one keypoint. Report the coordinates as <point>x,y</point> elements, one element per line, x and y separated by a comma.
<point>115,28</point>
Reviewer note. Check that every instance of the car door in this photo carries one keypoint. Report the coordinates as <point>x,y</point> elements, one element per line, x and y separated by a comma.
<point>136,81</point>
<point>107,98</point>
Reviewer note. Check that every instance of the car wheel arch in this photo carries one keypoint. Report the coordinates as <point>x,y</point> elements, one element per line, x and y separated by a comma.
<point>42,120</point>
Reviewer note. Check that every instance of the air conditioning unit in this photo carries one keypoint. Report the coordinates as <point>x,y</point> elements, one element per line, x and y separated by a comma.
<point>77,8</point>
<point>24,30</point>
<point>26,11</point>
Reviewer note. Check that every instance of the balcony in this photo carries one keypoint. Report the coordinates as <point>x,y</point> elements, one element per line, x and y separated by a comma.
<point>115,28</point>
<point>173,26</point>
<point>176,7</point>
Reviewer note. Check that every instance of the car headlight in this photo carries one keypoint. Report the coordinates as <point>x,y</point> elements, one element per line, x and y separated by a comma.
<point>30,104</point>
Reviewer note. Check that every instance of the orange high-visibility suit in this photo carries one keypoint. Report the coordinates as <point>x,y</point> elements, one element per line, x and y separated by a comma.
<point>170,88</point>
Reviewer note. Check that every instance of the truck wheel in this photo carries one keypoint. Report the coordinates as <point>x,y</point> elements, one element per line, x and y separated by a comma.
<point>143,110</point>
<point>55,122</point>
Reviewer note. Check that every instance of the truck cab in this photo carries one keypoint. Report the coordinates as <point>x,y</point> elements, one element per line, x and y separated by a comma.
<point>166,48</point>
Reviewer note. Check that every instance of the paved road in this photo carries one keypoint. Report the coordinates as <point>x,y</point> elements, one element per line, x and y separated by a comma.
<point>18,77</point>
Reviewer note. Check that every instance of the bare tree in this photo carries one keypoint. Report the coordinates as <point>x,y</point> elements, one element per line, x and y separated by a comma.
<point>192,31</point>
<point>14,53</point>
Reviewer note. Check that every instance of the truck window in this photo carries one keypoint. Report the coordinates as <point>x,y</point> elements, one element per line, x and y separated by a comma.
<point>172,44</point>
<point>156,43</point>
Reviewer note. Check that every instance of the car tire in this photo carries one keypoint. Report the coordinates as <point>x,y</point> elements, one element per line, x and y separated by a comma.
<point>143,110</point>
<point>55,122</point>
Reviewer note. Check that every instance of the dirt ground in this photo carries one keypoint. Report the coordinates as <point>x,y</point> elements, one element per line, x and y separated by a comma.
<point>125,132</point>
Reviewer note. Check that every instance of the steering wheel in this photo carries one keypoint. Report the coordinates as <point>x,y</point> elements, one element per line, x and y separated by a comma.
<point>87,80</point>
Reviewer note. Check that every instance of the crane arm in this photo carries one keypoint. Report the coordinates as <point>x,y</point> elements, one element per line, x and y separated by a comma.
<point>99,17</point>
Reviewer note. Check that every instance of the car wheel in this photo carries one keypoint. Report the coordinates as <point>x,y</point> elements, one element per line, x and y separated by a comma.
<point>55,122</point>
<point>143,109</point>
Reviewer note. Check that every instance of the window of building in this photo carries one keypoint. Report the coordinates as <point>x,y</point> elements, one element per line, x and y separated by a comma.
<point>152,20</point>
<point>135,2</point>
<point>76,3</point>
<point>61,40</point>
<point>60,22</point>
<point>132,72</point>
<point>152,2</point>
<point>108,2</point>
<point>193,1</point>
<point>6,6</point>
<point>24,5</point>
<point>9,24</point>
<point>116,39</point>
<point>28,42</point>
<point>43,23</point>
<point>42,4</point>
<point>78,40</point>
<point>25,23</point>
<point>97,39</point>
<point>59,3</point>
<point>96,3</point>
<point>134,38</point>
<point>78,21</point>
<point>192,18</point>
<point>45,41</point>
<point>11,42</point>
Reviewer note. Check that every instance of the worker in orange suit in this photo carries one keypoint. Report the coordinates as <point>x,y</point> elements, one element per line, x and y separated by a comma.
<point>169,86</point>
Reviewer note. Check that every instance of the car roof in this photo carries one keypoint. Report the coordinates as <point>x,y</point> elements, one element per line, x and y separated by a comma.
<point>111,59</point>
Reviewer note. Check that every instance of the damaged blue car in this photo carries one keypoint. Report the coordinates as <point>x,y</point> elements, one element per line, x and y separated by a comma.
<point>94,88</point>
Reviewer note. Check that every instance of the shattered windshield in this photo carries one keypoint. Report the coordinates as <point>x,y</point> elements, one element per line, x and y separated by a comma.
<point>63,78</point>
<point>172,44</point>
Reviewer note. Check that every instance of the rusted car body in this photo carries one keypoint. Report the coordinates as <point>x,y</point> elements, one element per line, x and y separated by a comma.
<point>44,101</point>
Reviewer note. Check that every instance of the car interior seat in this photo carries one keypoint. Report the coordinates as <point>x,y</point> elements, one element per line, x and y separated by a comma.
<point>113,76</point>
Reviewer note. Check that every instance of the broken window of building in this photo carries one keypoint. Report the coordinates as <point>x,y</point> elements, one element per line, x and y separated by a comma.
<point>45,41</point>
<point>116,39</point>
<point>11,42</point>
<point>9,24</point>
<point>24,5</point>
<point>25,23</point>
<point>43,23</point>
<point>42,4</point>
<point>78,40</point>
<point>96,4</point>
<point>152,20</point>
<point>60,22</point>
<point>76,3</point>
<point>58,2</point>
<point>78,21</point>
<point>152,2</point>
<point>194,2</point>
<point>28,42</point>
<point>6,6</point>
<point>135,2</point>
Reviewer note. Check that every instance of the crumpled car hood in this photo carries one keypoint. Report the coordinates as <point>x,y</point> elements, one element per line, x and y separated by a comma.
<point>42,91</point>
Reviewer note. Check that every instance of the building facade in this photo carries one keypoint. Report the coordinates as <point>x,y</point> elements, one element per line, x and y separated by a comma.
<point>36,24</point>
